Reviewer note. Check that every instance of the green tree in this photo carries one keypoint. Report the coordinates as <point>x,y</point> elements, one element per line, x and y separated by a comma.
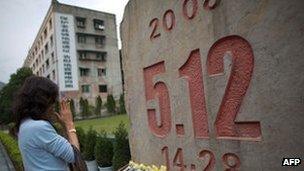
<point>98,104</point>
<point>87,108</point>
<point>84,107</point>
<point>122,154</point>
<point>81,106</point>
<point>104,150</point>
<point>111,103</point>
<point>7,93</point>
<point>89,144</point>
<point>81,137</point>
<point>122,108</point>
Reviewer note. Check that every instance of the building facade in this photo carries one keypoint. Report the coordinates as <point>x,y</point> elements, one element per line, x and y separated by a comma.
<point>77,48</point>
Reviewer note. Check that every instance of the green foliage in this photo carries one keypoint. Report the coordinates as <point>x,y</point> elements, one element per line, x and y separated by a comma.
<point>2,85</point>
<point>12,149</point>
<point>89,144</point>
<point>111,103</point>
<point>122,108</point>
<point>59,128</point>
<point>98,104</point>
<point>84,107</point>
<point>122,154</point>
<point>104,150</point>
<point>87,108</point>
<point>81,106</point>
<point>72,107</point>
<point>8,92</point>
<point>81,137</point>
<point>91,109</point>
<point>12,129</point>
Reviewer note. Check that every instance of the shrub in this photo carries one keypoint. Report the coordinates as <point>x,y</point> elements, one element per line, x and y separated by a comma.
<point>89,144</point>
<point>84,107</point>
<point>81,138</point>
<point>98,105</point>
<point>122,108</point>
<point>111,103</point>
<point>12,149</point>
<point>87,108</point>
<point>104,150</point>
<point>121,147</point>
<point>81,107</point>
<point>59,128</point>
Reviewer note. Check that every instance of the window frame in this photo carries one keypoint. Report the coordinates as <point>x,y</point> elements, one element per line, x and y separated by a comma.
<point>102,89</point>
<point>82,55</point>
<point>84,72</point>
<point>86,88</point>
<point>80,20</point>
<point>97,23</point>
<point>101,72</point>
<point>81,39</point>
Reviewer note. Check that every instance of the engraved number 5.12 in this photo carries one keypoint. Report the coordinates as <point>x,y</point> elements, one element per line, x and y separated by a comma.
<point>240,76</point>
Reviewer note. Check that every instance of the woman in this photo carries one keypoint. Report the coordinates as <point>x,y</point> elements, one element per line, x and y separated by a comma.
<point>40,145</point>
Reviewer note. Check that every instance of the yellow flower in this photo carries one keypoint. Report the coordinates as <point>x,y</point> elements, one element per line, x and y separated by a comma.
<point>145,167</point>
<point>163,168</point>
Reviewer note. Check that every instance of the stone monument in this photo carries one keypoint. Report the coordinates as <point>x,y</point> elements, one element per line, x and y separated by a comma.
<point>215,84</point>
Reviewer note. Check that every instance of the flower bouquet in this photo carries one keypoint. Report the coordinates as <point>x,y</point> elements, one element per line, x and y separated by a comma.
<point>132,166</point>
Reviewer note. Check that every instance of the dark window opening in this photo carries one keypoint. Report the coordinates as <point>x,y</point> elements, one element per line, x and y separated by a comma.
<point>101,57</point>
<point>84,71</point>
<point>47,63</point>
<point>54,75</point>
<point>81,39</point>
<point>45,33</point>
<point>82,55</point>
<point>50,23</point>
<point>103,88</point>
<point>52,41</point>
<point>42,54</point>
<point>53,57</point>
<point>46,47</point>
<point>101,72</point>
<point>85,88</point>
<point>99,41</point>
<point>80,22</point>
<point>99,24</point>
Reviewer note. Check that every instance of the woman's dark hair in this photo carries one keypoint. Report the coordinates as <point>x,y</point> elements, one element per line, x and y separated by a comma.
<point>33,99</point>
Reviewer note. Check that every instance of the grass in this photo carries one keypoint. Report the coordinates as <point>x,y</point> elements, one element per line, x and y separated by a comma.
<point>109,124</point>
<point>11,146</point>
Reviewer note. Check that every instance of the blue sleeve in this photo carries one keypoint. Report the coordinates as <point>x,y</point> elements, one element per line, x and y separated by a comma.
<point>47,138</point>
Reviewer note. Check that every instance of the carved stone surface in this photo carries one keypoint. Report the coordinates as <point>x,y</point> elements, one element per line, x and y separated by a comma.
<point>215,85</point>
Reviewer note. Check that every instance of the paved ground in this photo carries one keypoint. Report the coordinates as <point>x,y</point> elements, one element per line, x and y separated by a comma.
<point>5,162</point>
